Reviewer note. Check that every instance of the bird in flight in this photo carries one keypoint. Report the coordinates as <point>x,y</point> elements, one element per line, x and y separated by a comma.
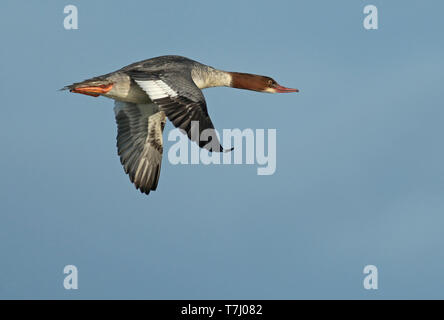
<point>149,91</point>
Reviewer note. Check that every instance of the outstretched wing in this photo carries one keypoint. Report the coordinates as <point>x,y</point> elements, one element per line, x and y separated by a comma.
<point>140,143</point>
<point>183,103</point>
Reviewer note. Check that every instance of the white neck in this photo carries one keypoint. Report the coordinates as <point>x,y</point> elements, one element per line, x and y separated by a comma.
<point>207,77</point>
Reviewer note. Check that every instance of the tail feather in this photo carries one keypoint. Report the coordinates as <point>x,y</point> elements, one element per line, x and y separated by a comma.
<point>96,81</point>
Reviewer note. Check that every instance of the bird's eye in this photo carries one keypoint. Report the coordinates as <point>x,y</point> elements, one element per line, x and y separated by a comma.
<point>270,83</point>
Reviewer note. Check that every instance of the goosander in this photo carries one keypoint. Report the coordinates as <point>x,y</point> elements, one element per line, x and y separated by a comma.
<point>149,91</point>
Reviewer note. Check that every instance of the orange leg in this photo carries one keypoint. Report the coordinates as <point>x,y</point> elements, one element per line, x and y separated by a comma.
<point>93,91</point>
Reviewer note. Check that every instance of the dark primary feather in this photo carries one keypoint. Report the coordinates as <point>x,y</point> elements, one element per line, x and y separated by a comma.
<point>189,104</point>
<point>139,142</point>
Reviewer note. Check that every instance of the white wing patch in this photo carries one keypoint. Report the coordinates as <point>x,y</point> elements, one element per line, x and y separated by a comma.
<point>156,89</point>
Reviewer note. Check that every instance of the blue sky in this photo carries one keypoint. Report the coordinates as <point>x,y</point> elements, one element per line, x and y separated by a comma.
<point>359,176</point>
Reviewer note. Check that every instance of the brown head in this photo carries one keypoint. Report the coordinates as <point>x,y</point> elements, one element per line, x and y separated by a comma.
<point>257,83</point>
